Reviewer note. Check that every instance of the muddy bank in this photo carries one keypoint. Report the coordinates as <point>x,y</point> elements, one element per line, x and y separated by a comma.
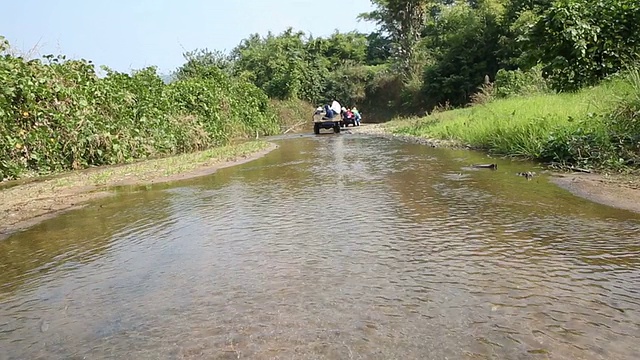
<point>619,191</point>
<point>26,203</point>
<point>384,131</point>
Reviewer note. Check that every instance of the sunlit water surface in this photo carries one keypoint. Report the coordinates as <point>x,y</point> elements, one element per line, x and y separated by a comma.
<point>333,246</point>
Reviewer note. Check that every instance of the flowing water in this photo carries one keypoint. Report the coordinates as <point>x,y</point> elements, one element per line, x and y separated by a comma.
<point>336,247</point>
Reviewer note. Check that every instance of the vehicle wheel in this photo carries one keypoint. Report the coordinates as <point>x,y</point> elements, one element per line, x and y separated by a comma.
<point>336,129</point>
<point>316,129</point>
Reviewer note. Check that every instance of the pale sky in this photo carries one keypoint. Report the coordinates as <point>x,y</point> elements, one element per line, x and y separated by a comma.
<point>132,34</point>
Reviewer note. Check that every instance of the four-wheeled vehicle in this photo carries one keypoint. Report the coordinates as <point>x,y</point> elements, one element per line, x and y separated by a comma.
<point>346,120</point>
<point>320,121</point>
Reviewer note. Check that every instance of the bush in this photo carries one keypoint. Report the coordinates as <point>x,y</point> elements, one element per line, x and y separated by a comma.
<point>597,127</point>
<point>57,114</point>
<point>582,42</point>
<point>520,83</point>
<point>291,113</point>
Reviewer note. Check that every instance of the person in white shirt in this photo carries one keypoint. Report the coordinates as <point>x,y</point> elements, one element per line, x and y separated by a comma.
<point>333,110</point>
<point>336,107</point>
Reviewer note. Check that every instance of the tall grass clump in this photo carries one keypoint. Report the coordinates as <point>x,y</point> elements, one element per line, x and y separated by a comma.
<point>596,127</point>
<point>292,113</point>
<point>511,83</point>
<point>57,114</point>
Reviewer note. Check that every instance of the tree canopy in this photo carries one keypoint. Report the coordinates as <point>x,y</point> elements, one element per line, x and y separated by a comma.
<point>430,52</point>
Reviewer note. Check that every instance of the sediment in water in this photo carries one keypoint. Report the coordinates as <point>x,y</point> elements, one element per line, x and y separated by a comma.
<point>622,192</point>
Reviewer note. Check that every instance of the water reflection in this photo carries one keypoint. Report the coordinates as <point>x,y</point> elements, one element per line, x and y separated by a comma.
<point>330,247</point>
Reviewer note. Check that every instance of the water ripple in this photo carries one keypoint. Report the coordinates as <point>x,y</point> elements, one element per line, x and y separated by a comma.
<point>376,249</point>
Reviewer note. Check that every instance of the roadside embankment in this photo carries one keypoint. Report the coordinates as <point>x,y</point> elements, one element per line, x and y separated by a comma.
<point>24,203</point>
<point>292,114</point>
<point>618,190</point>
<point>389,130</point>
<point>595,130</point>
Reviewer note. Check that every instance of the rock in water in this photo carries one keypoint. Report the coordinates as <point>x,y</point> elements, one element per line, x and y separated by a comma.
<point>44,326</point>
<point>486,166</point>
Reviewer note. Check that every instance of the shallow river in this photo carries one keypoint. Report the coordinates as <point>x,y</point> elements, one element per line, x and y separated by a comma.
<point>336,247</point>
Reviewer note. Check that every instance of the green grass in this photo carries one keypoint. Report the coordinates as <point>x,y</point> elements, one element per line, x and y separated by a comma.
<point>144,171</point>
<point>291,114</point>
<point>570,128</point>
<point>27,200</point>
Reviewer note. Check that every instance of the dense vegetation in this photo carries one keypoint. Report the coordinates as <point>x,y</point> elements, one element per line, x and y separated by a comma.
<point>58,115</point>
<point>552,80</point>
<point>347,66</point>
<point>428,53</point>
<point>596,127</point>
<point>560,79</point>
<point>425,56</point>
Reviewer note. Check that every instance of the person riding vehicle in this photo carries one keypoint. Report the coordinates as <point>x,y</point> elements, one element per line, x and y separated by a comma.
<point>348,117</point>
<point>333,110</point>
<point>357,116</point>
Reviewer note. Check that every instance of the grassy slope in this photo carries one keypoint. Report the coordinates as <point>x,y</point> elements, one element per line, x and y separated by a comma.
<point>141,172</point>
<point>292,114</point>
<point>525,126</point>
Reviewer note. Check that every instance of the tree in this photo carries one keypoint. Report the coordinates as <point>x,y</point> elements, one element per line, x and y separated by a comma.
<point>203,63</point>
<point>581,42</point>
<point>402,21</point>
<point>378,49</point>
<point>281,65</point>
<point>466,53</point>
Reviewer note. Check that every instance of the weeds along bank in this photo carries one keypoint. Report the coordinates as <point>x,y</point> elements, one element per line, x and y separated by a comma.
<point>58,115</point>
<point>292,114</point>
<point>597,127</point>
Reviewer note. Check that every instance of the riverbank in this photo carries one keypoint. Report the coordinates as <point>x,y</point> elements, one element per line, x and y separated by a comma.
<point>621,191</point>
<point>24,203</point>
<point>594,128</point>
